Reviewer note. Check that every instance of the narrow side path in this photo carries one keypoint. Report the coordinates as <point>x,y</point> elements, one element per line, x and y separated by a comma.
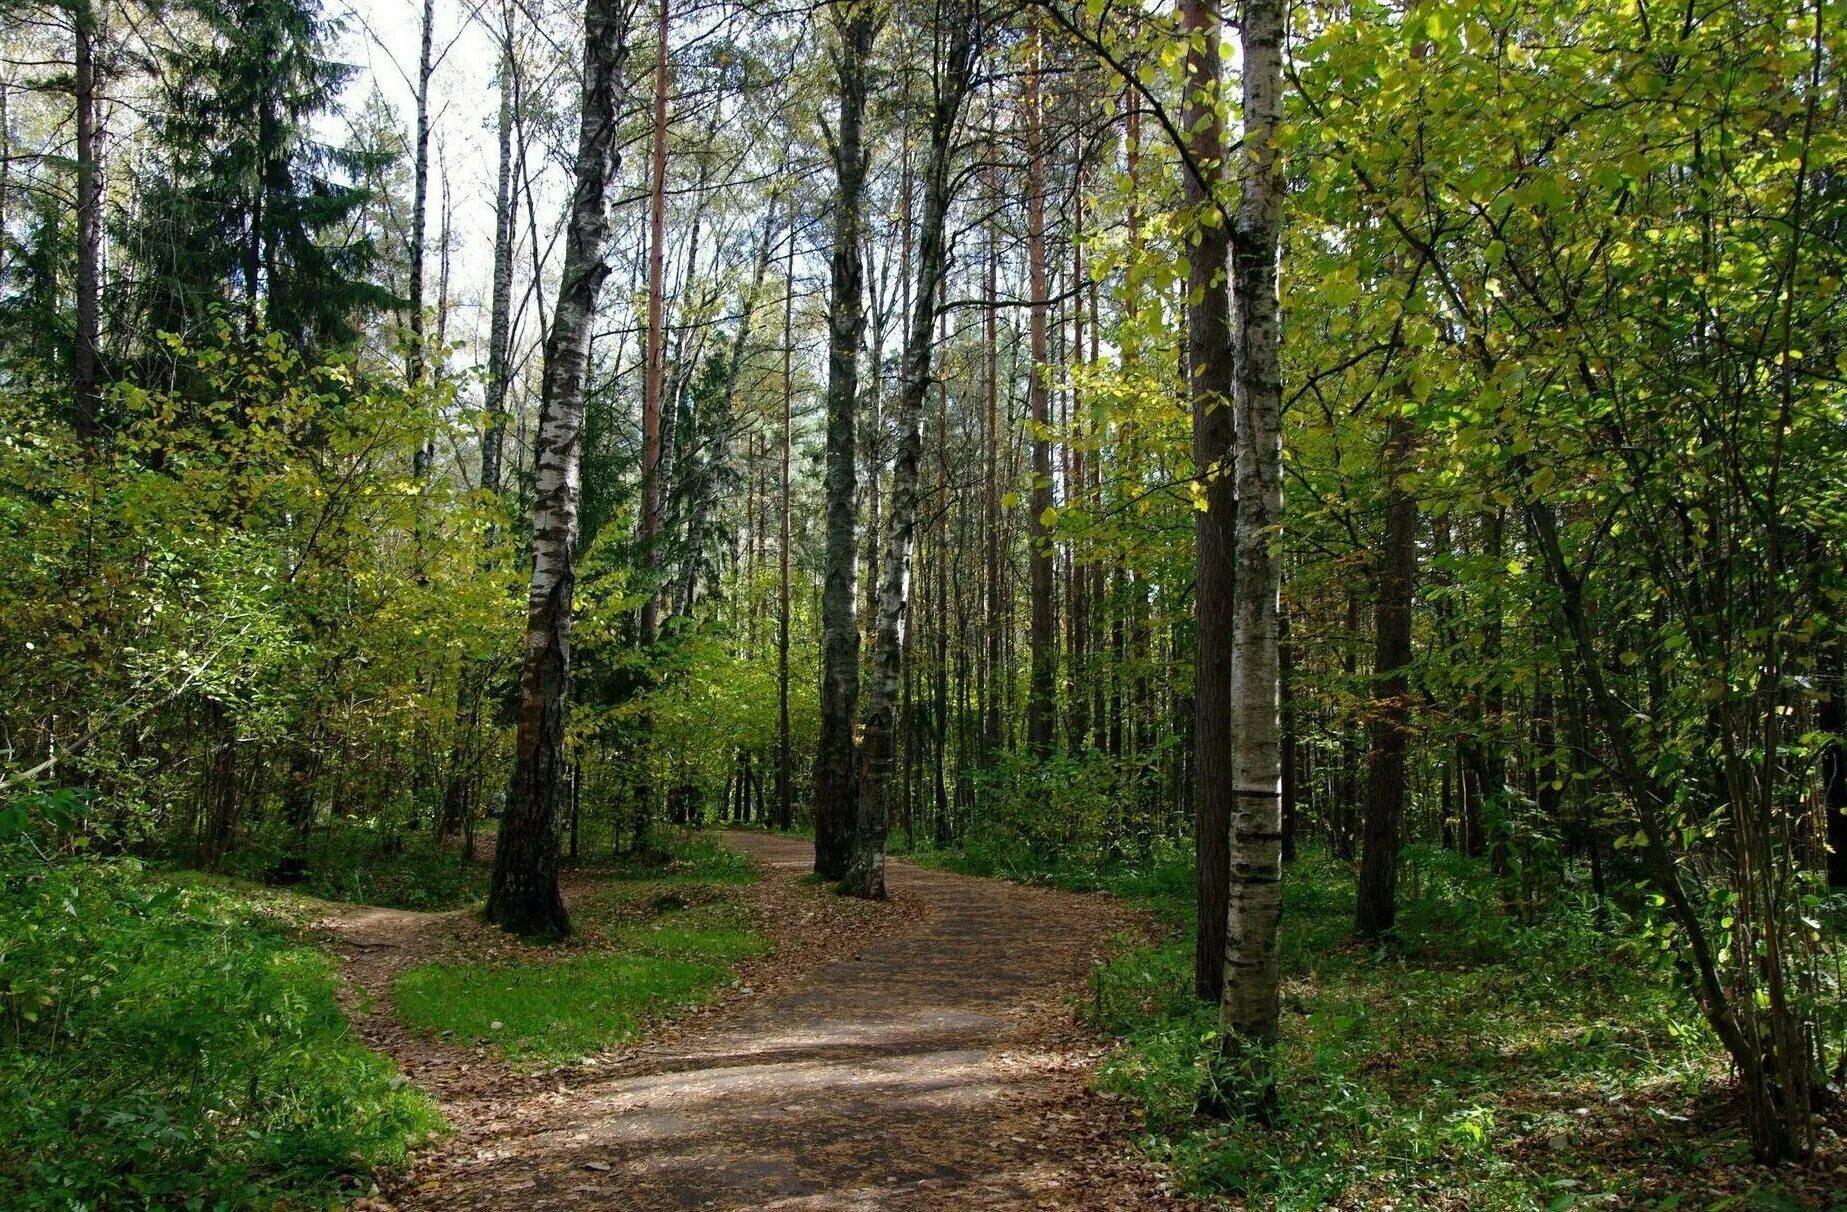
<point>938,1066</point>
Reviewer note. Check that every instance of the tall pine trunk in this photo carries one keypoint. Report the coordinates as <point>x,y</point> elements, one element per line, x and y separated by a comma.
<point>524,896</point>
<point>500,308</point>
<point>1208,341</point>
<point>836,771</point>
<point>657,343</point>
<point>85,394</point>
<point>1042,635</point>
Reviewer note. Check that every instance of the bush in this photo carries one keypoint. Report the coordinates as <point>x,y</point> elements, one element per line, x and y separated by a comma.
<point>362,863</point>
<point>167,1045</point>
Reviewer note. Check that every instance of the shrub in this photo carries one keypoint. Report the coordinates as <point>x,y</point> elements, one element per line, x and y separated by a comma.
<point>163,1044</point>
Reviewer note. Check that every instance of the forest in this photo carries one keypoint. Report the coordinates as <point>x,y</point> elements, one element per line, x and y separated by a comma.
<point>923,604</point>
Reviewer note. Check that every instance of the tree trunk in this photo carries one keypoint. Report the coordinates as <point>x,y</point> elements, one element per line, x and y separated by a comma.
<point>524,896</point>
<point>85,395</point>
<point>657,344</point>
<point>1377,905</point>
<point>1042,639</point>
<point>785,792</point>
<point>836,771</point>
<point>865,875</point>
<point>1208,343</point>
<point>719,455</point>
<point>1248,1012</point>
<point>500,314</point>
<point>419,214</point>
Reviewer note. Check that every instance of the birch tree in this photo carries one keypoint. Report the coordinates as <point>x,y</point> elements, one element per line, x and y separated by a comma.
<point>1248,1010</point>
<point>955,23</point>
<point>524,895</point>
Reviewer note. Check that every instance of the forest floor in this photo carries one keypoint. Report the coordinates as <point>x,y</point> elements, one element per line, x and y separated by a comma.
<point>919,1054</point>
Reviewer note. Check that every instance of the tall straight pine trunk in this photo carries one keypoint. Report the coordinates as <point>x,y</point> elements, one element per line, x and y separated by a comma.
<point>524,894</point>
<point>836,771</point>
<point>865,875</point>
<point>1208,340</point>
<point>657,340</point>
<point>1042,635</point>
<point>1248,1010</point>
<point>86,396</point>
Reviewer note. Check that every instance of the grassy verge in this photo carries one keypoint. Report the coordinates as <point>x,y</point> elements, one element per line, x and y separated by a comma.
<point>172,1045</point>
<point>1477,1062</point>
<point>660,937</point>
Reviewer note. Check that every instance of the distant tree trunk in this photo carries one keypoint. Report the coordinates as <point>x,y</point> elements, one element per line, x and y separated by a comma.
<point>1291,737</point>
<point>1831,718</point>
<point>706,491</point>
<point>991,582</point>
<point>1077,713</point>
<point>1208,344</point>
<point>657,343</point>
<point>1248,1012</point>
<point>1042,639</point>
<point>785,792</point>
<point>86,397</point>
<point>524,895</point>
<point>836,771</point>
<point>865,875</point>
<point>500,309</point>
<point>419,210</point>
<point>1377,905</point>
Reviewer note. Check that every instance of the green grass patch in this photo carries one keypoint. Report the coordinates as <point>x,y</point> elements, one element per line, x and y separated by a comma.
<point>173,1045</point>
<point>684,856</point>
<point>665,937</point>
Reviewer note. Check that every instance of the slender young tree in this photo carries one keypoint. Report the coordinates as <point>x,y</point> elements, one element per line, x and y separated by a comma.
<point>419,207</point>
<point>956,47</point>
<point>785,792</point>
<point>836,771</point>
<point>657,339</point>
<point>1377,905</point>
<point>500,306</point>
<point>705,499</point>
<point>1042,636</point>
<point>524,895</point>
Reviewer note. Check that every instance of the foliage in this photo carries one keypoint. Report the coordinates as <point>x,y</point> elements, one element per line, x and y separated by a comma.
<point>168,1045</point>
<point>362,863</point>
<point>246,601</point>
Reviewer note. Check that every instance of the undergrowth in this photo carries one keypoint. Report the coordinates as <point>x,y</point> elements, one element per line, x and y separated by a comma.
<point>171,1045</point>
<point>359,863</point>
<point>1476,1060</point>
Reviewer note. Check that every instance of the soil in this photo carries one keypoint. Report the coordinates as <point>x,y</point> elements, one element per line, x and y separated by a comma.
<point>918,1054</point>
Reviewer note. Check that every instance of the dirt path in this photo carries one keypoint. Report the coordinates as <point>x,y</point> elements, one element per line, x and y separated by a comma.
<point>927,1058</point>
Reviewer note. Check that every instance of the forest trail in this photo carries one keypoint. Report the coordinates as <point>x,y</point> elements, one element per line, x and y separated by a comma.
<point>932,1061</point>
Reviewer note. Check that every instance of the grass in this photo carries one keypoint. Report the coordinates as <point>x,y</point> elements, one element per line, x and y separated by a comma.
<point>175,1045</point>
<point>1476,1061</point>
<point>664,935</point>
